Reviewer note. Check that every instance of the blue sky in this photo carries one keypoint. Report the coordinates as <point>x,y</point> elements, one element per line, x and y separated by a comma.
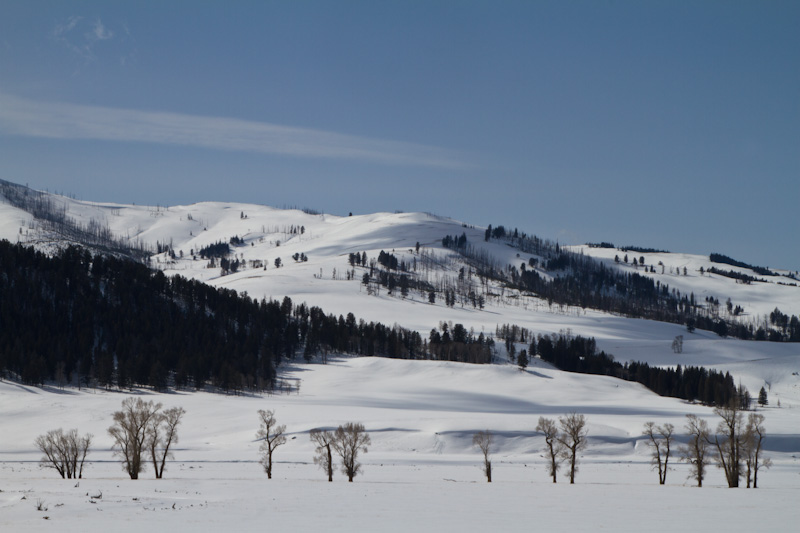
<point>673,125</point>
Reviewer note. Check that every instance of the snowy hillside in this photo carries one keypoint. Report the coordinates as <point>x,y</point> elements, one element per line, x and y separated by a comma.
<point>327,279</point>
<point>421,466</point>
<point>758,298</point>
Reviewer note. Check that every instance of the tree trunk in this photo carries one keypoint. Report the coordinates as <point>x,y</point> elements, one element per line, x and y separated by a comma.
<point>330,464</point>
<point>572,468</point>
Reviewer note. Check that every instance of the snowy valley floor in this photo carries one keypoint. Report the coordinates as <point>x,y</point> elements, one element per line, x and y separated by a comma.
<point>446,496</point>
<point>421,472</point>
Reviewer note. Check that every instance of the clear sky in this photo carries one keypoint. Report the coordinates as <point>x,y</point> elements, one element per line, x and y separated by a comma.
<point>672,125</point>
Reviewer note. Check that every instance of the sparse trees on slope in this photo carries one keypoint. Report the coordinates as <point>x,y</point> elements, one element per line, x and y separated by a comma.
<point>660,441</point>
<point>130,432</point>
<point>483,440</point>
<point>554,446</point>
<point>348,441</point>
<point>573,439</point>
<point>66,452</point>
<point>271,435</point>
<point>162,434</point>
<point>324,458</point>
<point>695,451</point>
<point>753,439</point>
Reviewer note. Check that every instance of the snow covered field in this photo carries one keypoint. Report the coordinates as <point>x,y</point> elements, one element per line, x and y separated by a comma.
<point>421,471</point>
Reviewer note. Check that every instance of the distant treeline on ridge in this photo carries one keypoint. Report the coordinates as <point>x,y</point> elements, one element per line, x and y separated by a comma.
<point>91,320</point>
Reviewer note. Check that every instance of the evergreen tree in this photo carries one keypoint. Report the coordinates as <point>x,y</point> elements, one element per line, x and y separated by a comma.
<point>522,359</point>
<point>762,397</point>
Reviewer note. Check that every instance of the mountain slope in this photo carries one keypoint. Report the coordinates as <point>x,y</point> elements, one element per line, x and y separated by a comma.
<point>268,234</point>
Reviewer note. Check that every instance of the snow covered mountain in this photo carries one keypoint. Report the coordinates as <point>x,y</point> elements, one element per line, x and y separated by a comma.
<point>421,414</point>
<point>315,253</point>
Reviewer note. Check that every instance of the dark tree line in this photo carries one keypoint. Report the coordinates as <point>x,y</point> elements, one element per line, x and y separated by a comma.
<point>578,280</point>
<point>454,241</point>
<point>643,250</point>
<point>78,318</point>
<point>75,318</point>
<point>217,249</point>
<point>719,258</point>
<point>579,354</point>
<point>739,276</point>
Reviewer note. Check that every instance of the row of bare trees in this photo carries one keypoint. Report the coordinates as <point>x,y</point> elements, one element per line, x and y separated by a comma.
<point>737,446</point>
<point>563,443</point>
<point>141,431</point>
<point>347,441</point>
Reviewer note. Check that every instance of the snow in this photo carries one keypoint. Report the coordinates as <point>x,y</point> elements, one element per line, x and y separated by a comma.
<point>327,240</point>
<point>758,298</point>
<point>421,472</point>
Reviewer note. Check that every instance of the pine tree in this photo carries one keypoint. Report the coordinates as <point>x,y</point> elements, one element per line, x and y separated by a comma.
<point>522,359</point>
<point>762,397</point>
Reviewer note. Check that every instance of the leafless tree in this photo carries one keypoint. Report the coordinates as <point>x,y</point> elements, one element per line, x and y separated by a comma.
<point>554,447</point>
<point>677,344</point>
<point>66,452</point>
<point>573,439</point>
<point>324,458</point>
<point>728,442</point>
<point>753,439</point>
<point>271,435</point>
<point>130,432</point>
<point>696,449</point>
<point>660,442</point>
<point>348,441</point>
<point>483,440</point>
<point>163,433</point>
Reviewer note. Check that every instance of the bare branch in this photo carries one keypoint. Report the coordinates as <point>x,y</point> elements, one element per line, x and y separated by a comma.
<point>130,431</point>
<point>348,441</point>
<point>324,458</point>
<point>483,440</point>
<point>554,447</point>
<point>573,439</point>
<point>271,435</point>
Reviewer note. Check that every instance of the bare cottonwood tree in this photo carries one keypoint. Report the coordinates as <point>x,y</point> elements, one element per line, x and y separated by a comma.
<point>754,434</point>
<point>554,447</point>
<point>696,449</point>
<point>130,432</point>
<point>324,458</point>
<point>163,433</point>
<point>660,442</point>
<point>348,441</point>
<point>729,444</point>
<point>573,439</point>
<point>677,344</point>
<point>271,435</point>
<point>66,452</point>
<point>483,440</point>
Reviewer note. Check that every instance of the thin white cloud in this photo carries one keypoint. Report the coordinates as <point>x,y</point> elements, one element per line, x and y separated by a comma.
<point>29,118</point>
<point>100,32</point>
<point>67,26</point>
<point>81,36</point>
